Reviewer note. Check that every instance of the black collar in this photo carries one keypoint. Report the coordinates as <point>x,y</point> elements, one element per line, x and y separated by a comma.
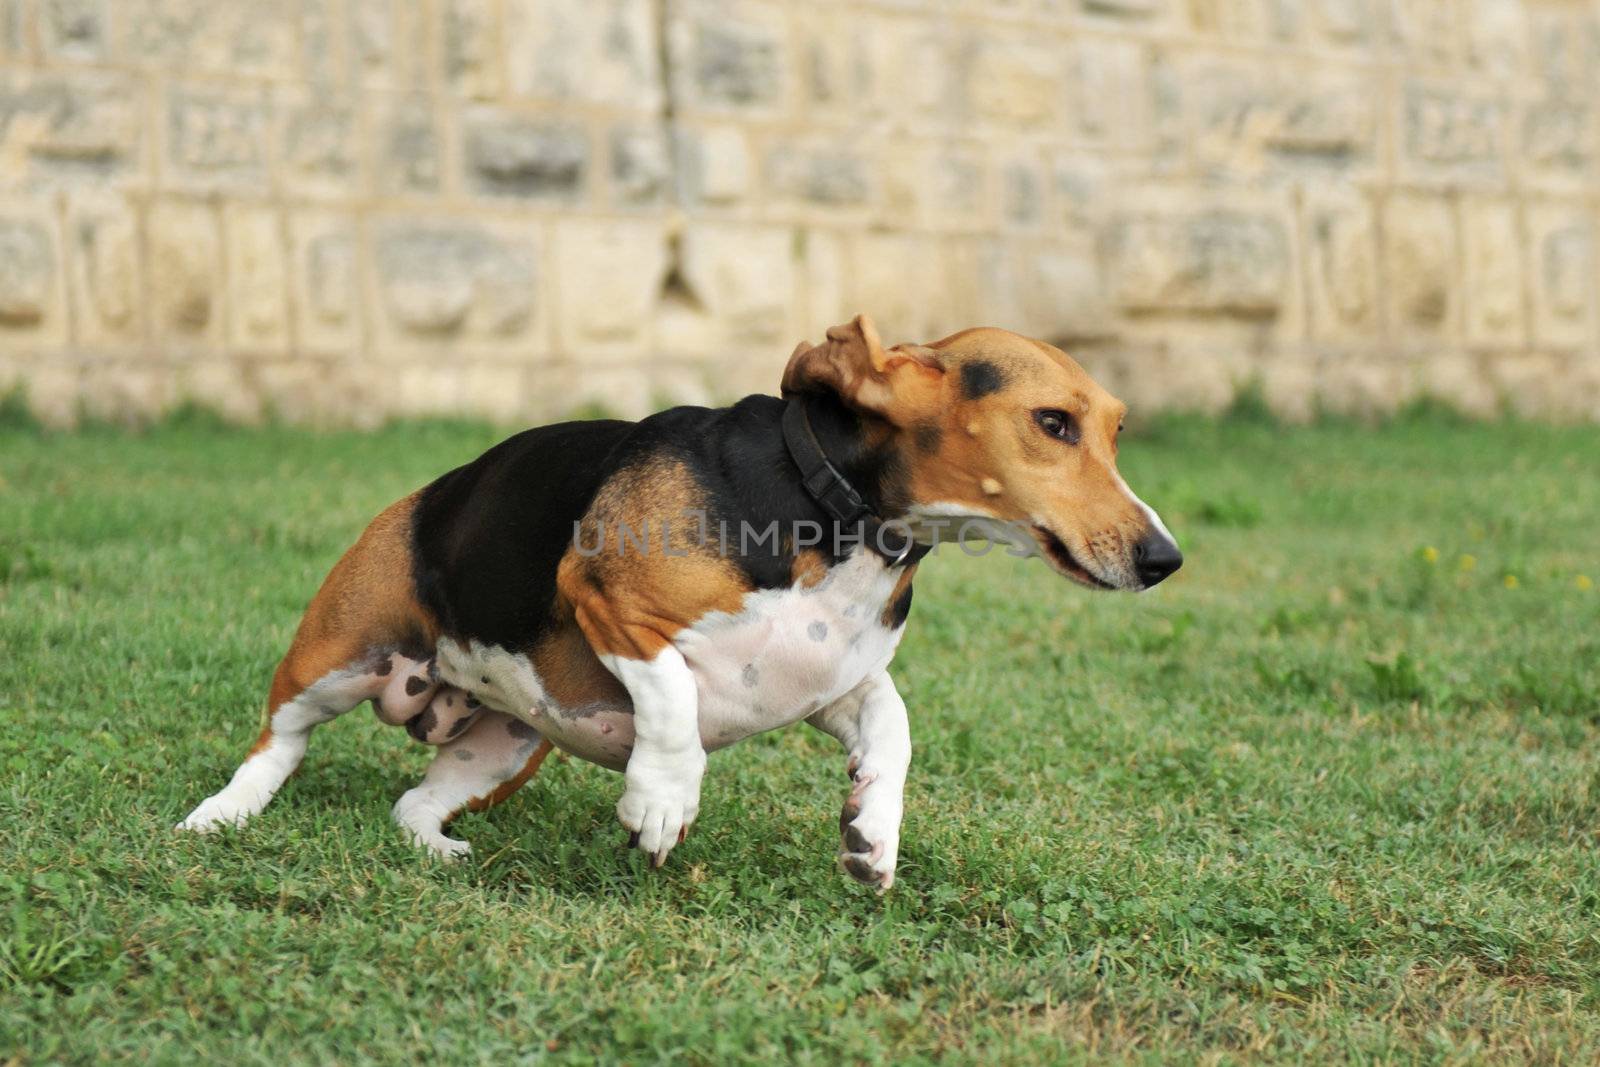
<point>831,490</point>
<point>835,495</point>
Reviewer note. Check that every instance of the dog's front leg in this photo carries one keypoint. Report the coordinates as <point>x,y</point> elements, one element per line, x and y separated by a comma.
<point>870,721</point>
<point>662,796</point>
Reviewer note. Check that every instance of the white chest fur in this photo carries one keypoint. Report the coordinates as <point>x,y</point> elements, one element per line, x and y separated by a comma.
<point>788,652</point>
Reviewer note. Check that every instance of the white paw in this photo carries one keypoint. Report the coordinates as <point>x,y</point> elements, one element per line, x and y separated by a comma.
<point>422,816</point>
<point>215,811</point>
<point>869,831</point>
<point>446,848</point>
<point>661,800</point>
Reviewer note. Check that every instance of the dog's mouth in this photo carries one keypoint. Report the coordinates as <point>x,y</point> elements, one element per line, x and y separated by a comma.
<point>1063,560</point>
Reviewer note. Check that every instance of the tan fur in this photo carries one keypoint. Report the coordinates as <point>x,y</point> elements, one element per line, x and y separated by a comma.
<point>810,567</point>
<point>900,586</point>
<point>631,603</point>
<point>571,672</point>
<point>366,602</point>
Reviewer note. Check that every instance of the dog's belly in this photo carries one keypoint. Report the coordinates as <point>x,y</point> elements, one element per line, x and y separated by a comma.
<point>790,652</point>
<point>784,655</point>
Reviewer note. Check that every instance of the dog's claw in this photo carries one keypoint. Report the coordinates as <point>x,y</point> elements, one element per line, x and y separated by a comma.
<point>633,839</point>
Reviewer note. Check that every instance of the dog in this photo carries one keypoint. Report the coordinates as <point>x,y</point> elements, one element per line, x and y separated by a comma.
<point>639,594</point>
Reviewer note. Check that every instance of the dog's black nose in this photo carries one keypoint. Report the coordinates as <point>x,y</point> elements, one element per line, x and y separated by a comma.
<point>1155,558</point>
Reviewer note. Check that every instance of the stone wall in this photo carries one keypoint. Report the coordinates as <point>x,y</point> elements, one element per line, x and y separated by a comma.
<point>340,210</point>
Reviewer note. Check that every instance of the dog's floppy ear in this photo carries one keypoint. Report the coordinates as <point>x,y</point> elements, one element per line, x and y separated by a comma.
<point>894,384</point>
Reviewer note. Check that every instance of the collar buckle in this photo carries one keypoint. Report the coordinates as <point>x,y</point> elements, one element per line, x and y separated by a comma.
<point>831,490</point>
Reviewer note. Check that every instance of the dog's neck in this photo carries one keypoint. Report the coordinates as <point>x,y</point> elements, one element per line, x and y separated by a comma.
<point>861,449</point>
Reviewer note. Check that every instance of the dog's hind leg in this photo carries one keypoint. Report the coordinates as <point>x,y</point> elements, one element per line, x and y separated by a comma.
<point>295,712</point>
<point>343,653</point>
<point>485,765</point>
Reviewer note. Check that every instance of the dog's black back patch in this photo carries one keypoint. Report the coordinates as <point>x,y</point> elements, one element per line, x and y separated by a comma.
<point>488,536</point>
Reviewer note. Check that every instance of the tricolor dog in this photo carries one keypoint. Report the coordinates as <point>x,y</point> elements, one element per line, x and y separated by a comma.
<point>641,593</point>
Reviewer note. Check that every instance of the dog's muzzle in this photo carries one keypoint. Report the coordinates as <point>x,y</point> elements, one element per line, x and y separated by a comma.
<point>1155,558</point>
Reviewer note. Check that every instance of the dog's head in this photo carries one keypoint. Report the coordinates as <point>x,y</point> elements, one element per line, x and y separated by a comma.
<point>1001,436</point>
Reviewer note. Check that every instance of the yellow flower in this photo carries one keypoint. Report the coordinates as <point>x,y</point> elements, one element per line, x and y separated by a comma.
<point>1430,554</point>
<point>1510,581</point>
<point>1584,582</point>
<point>1468,562</point>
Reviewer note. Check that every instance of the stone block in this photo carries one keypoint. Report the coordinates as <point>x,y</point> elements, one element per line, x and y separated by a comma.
<point>1341,22</point>
<point>487,388</point>
<point>728,56</point>
<point>184,252</point>
<point>86,128</point>
<point>324,47</point>
<point>104,272</point>
<point>1558,142</point>
<point>223,386</point>
<point>1022,193</point>
<point>1423,33</point>
<point>1279,123</point>
<point>1451,136</point>
<point>641,164</point>
<point>471,41</point>
<point>838,51</point>
<point>717,164</point>
<point>556,391</point>
<point>588,51</point>
<point>1063,295</point>
<point>227,37</point>
<point>513,155</point>
<point>1537,385</point>
<point>608,277</point>
<point>1461,382</point>
<point>1340,243</point>
<point>325,282</point>
<point>258,278</point>
<point>32,311</point>
<point>1212,261</point>
<point>449,282</point>
<point>1562,268</point>
<point>1420,258</point>
<point>11,42</point>
<point>1111,92</point>
<point>390,43</point>
<point>823,263</point>
<point>1493,263</point>
<point>953,186</point>
<point>216,139</point>
<point>73,29</point>
<point>1011,82</point>
<point>902,282</point>
<point>1564,45</point>
<point>819,173</point>
<point>127,394</point>
<point>1496,36</point>
<point>743,279</point>
<point>55,389</point>
<point>317,144</point>
<point>408,154</point>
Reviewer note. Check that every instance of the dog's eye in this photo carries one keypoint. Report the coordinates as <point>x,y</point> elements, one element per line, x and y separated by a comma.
<point>1057,424</point>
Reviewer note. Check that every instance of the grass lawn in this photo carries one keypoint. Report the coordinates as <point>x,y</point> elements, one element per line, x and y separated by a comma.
<point>1332,792</point>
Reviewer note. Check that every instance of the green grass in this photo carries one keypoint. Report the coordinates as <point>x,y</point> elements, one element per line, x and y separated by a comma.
<point>1322,796</point>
